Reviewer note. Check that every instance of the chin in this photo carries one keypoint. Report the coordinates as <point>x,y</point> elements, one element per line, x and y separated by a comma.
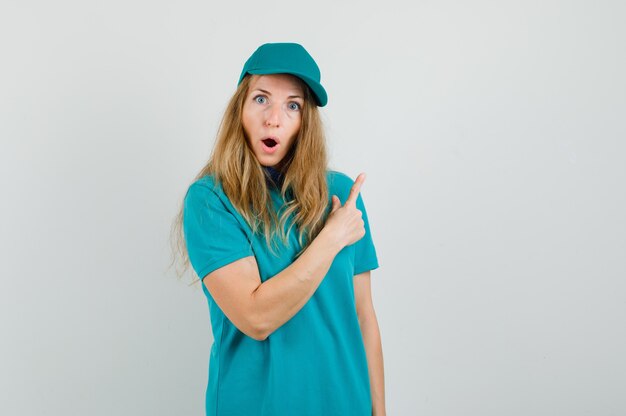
<point>271,162</point>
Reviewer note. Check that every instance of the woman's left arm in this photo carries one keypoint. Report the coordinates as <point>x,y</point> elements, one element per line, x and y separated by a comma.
<point>372,341</point>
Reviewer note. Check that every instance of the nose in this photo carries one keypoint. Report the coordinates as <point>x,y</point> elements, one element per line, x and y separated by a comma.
<point>272,116</point>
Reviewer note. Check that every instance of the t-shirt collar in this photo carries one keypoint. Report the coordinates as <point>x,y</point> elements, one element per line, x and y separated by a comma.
<point>274,176</point>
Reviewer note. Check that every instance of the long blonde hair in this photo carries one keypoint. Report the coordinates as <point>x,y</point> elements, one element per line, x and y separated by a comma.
<point>234,165</point>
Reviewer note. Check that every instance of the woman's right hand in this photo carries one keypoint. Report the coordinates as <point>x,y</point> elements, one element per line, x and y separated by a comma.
<point>345,223</point>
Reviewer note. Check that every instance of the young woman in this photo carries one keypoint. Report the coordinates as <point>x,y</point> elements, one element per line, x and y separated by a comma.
<point>283,248</point>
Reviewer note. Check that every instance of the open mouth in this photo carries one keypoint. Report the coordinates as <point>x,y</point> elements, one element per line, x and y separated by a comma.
<point>269,142</point>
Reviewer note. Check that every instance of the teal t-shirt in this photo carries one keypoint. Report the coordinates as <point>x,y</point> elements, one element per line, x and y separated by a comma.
<point>314,364</point>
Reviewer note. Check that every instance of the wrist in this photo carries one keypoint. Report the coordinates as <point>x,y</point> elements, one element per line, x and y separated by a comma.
<point>330,239</point>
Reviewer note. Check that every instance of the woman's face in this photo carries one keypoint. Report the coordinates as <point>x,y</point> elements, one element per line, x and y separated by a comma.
<point>272,114</point>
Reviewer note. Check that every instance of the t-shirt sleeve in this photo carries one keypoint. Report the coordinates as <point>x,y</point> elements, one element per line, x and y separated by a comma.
<point>213,235</point>
<point>364,251</point>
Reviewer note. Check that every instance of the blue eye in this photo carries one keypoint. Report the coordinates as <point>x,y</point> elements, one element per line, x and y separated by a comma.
<point>260,99</point>
<point>294,106</point>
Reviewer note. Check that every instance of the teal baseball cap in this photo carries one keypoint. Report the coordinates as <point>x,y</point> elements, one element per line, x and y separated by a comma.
<point>286,58</point>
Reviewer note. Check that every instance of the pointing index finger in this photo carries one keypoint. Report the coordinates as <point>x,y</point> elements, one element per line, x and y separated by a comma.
<point>356,188</point>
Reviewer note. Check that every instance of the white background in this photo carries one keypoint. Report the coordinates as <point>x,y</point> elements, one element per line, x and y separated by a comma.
<point>492,134</point>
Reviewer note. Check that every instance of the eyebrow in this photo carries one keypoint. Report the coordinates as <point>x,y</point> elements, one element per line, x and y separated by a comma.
<point>269,93</point>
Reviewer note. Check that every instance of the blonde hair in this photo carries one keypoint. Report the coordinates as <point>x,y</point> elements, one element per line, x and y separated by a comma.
<point>234,165</point>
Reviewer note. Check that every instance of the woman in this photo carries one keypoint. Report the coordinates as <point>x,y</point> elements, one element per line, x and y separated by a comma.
<point>285,265</point>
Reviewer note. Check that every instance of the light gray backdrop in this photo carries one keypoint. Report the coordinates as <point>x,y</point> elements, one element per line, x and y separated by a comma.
<point>492,134</point>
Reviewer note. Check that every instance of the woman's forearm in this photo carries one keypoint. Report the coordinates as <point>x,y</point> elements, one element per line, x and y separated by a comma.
<point>374,351</point>
<point>279,298</point>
